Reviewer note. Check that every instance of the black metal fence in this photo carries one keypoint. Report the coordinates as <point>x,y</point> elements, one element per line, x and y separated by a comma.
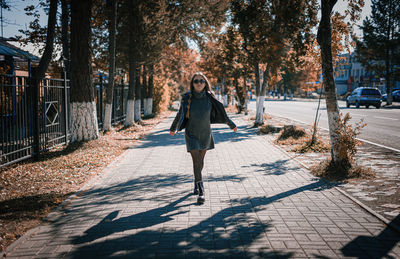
<point>34,119</point>
<point>120,99</point>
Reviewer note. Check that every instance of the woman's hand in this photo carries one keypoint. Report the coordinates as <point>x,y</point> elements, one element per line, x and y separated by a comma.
<point>235,129</point>
<point>172,133</point>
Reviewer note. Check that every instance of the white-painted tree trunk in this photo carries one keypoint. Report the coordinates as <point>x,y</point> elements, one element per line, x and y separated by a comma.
<point>260,110</point>
<point>107,117</point>
<point>137,110</point>
<point>148,106</point>
<point>145,106</point>
<point>83,121</point>
<point>225,100</point>
<point>333,118</point>
<point>130,113</point>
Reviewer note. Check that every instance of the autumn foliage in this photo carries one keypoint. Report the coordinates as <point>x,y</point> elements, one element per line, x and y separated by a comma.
<point>175,69</point>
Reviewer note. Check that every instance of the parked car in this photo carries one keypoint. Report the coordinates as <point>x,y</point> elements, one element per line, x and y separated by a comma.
<point>365,96</point>
<point>395,96</point>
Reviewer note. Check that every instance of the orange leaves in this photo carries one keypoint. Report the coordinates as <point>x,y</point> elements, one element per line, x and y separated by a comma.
<point>348,137</point>
<point>173,77</point>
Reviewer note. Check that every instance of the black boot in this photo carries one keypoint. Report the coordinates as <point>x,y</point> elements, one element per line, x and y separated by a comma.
<point>196,189</point>
<point>200,198</point>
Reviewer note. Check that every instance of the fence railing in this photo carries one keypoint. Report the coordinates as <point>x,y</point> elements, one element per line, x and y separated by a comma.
<point>35,119</point>
<point>120,99</point>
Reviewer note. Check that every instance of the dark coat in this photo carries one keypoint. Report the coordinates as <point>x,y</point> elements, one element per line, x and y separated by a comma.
<point>218,113</point>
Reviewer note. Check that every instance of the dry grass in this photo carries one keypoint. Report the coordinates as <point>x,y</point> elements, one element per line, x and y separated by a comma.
<point>338,172</point>
<point>266,117</point>
<point>301,140</point>
<point>270,129</point>
<point>291,135</point>
<point>318,145</point>
<point>31,189</point>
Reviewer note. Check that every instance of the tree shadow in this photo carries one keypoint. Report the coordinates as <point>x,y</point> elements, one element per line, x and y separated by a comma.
<point>391,107</point>
<point>221,134</point>
<point>227,233</point>
<point>30,207</point>
<point>135,190</point>
<point>374,246</point>
<point>278,167</point>
<point>148,218</point>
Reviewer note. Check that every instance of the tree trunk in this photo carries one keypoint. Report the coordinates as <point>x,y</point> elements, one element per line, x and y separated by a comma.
<point>146,92</point>
<point>83,107</point>
<point>263,91</point>
<point>325,42</point>
<point>44,62</point>
<point>259,97</point>
<point>138,94</point>
<point>284,91</point>
<point>388,81</point>
<point>38,72</point>
<point>224,92</point>
<point>239,94</point>
<point>64,36</point>
<point>388,62</point>
<point>150,85</point>
<point>130,109</point>
<point>246,97</point>
<point>112,10</point>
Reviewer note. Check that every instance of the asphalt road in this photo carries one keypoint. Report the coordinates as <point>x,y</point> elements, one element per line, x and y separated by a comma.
<point>383,125</point>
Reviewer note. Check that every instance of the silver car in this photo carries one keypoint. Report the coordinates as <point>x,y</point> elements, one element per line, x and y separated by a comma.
<point>365,96</point>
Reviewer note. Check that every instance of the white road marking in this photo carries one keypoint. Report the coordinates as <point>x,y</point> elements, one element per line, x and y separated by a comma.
<point>379,145</point>
<point>363,140</point>
<point>386,118</point>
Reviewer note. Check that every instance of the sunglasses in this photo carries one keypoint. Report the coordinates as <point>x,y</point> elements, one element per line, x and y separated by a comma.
<point>197,81</point>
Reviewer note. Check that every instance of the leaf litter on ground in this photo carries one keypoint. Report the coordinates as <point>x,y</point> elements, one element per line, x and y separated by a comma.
<point>30,190</point>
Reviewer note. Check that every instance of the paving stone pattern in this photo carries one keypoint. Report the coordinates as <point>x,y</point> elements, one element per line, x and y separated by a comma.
<point>259,203</point>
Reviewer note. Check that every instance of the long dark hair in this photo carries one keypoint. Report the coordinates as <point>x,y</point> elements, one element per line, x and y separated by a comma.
<point>207,88</point>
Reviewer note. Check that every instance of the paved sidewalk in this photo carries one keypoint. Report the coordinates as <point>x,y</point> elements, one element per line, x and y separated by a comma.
<point>259,203</point>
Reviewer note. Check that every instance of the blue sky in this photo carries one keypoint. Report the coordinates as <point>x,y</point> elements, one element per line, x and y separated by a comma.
<point>16,19</point>
<point>341,5</point>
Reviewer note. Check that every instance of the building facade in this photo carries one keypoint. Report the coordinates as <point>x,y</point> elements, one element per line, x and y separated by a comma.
<point>350,74</point>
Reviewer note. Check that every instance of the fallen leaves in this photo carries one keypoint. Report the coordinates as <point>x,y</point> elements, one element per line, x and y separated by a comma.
<point>31,189</point>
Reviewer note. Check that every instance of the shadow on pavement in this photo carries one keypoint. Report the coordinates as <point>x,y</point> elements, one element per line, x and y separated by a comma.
<point>376,246</point>
<point>226,233</point>
<point>279,167</point>
<point>221,133</point>
<point>136,189</point>
<point>148,218</point>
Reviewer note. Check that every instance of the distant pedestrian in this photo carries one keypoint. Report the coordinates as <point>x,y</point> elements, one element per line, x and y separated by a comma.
<point>199,108</point>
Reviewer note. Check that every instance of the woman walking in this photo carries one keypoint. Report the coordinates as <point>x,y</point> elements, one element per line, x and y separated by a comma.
<point>199,108</point>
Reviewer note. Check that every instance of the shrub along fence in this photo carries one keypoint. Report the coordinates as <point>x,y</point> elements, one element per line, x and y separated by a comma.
<point>34,119</point>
